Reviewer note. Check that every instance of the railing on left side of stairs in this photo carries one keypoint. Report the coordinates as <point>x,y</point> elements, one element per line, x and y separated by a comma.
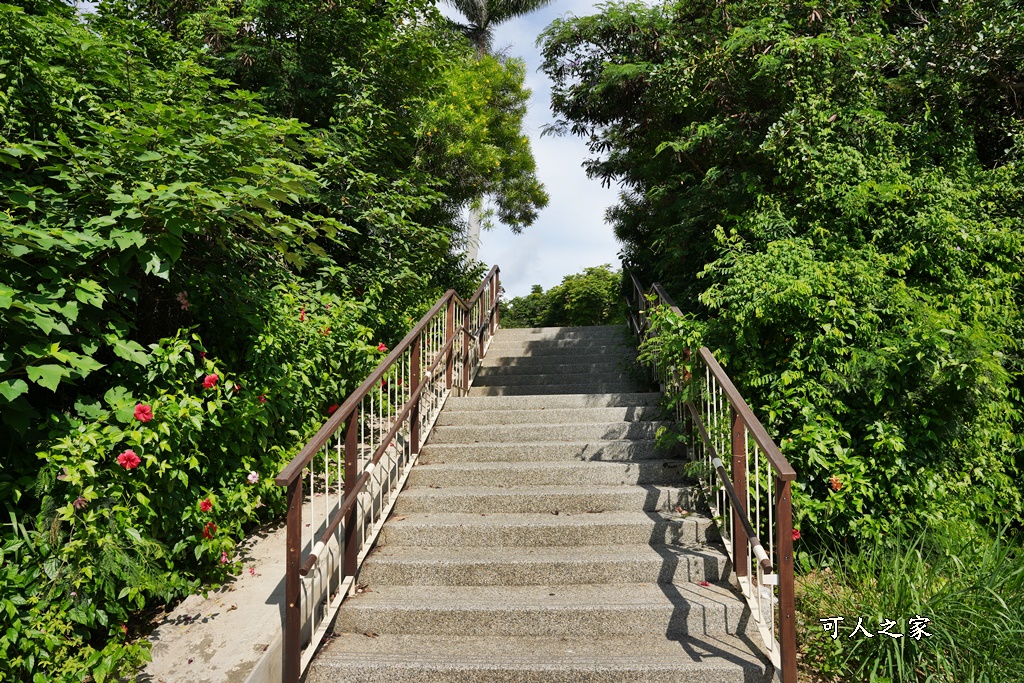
<point>359,460</point>
<point>751,503</point>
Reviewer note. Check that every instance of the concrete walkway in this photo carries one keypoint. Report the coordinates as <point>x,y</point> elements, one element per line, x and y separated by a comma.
<point>234,634</point>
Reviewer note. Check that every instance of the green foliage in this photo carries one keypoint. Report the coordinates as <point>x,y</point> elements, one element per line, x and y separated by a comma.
<point>969,586</point>
<point>588,298</point>
<point>483,16</point>
<point>832,195</point>
<point>224,259</point>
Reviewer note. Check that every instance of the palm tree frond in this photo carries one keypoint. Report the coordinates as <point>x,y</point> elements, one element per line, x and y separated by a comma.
<point>503,10</point>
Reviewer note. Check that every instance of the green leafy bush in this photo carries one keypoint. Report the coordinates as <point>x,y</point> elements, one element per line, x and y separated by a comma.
<point>592,297</point>
<point>832,195</point>
<point>191,274</point>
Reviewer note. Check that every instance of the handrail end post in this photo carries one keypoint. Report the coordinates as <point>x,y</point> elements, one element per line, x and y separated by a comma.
<point>292,664</point>
<point>787,599</point>
<point>740,547</point>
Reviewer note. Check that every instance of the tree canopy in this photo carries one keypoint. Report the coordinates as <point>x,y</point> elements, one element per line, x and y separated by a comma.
<point>832,194</point>
<point>212,217</point>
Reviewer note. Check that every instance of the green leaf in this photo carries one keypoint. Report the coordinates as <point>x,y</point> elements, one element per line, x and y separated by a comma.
<point>126,239</point>
<point>48,376</point>
<point>13,388</point>
<point>149,156</point>
<point>171,245</point>
<point>131,350</point>
<point>51,567</point>
<point>117,396</point>
<point>158,267</point>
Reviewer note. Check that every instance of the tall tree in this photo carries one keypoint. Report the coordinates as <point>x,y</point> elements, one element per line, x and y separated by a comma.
<point>481,16</point>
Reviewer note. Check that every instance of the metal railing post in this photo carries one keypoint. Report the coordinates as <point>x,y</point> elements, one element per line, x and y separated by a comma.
<point>491,309</point>
<point>480,325</point>
<point>449,332</point>
<point>293,586</point>
<point>787,607</point>
<point>740,550</point>
<point>465,357</point>
<point>497,293</point>
<point>414,384</point>
<point>351,474</point>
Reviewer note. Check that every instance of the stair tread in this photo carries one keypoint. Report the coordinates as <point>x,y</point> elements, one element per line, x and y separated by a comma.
<point>545,519</point>
<point>413,554</point>
<point>624,398</point>
<point>579,597</point>
<point>655,651</point>
<point>568,465</point>
<point>540,490</point>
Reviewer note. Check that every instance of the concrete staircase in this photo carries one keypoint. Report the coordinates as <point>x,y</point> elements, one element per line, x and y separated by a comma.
<point>542,538</point>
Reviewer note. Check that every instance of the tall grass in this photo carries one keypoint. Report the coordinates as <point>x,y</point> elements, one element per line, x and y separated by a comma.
<point>970,587</point>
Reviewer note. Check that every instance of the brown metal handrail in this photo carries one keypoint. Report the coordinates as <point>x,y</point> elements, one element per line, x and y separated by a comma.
<point>715,431</point>
<point>375,428</point>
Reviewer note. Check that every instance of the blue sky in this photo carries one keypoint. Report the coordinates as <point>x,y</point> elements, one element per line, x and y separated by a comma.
<point>570,233</point>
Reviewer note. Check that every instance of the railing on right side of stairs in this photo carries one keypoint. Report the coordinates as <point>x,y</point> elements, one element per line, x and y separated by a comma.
<point>752,503</point>
<point>359,460</point>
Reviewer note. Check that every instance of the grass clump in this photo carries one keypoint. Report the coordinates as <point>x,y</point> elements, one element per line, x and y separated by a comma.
<point>969,586</point>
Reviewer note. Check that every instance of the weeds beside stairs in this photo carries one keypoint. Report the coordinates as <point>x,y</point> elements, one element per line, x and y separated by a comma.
<point>542,538</point>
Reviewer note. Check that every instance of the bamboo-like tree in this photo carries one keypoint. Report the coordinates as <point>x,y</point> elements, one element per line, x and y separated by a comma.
<point>481,16</point>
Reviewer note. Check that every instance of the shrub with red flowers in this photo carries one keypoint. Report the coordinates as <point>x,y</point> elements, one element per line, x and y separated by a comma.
<point>210,381</point>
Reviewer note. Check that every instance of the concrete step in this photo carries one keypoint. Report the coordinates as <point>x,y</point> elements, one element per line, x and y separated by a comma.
<point>539,499</point>
<point>545,366</point>
<point>517,433</point>
<point>542,390</point>
<point>451,418</point>
<point>661,471</point>
<point>547,379</point>
<point>653,658</point>
<point>542,451</point>
<point>524,566</point>
<point>454,529</point>
<point>561,357</point>
<point>546,333</point>
<point>571,400</point>
<point>580,348</point>
<point>582,611</point>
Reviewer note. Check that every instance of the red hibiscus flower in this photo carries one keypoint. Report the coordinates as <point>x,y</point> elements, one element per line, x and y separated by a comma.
<point>835,483</point>
<point>238,387</point>
<point>209,529</point>
<point>796,534</point>
<point>143,413</point>
<point>210,381</point>
<point>330,411</point>
<point>382,348</point>
<point>205,505</point>
<point>79,503</point>
<point>302,314</point>
<point>263,398</point>
<point>202,354</point>
<point>128,460</point>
